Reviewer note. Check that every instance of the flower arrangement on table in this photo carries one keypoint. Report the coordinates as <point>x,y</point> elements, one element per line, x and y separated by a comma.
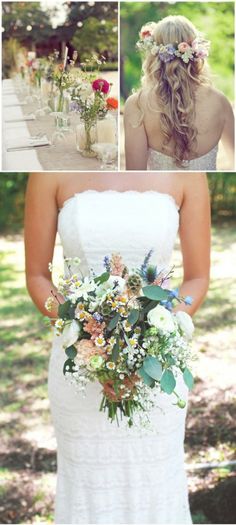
<point>119,328</point>
<point>61,77</point>
<point>91,100</point>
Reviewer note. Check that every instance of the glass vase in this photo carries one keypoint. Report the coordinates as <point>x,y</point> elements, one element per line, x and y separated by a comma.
<point>86,135</point>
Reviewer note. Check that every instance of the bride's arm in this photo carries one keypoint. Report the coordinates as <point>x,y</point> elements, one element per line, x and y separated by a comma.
<point>136,147</point>
<point>40,232</point>
<point>195,240</point>
<point>228,133</point>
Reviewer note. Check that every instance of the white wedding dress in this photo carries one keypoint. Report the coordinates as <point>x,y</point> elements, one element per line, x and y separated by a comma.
<point>158,161</point>
<point>109,474</point>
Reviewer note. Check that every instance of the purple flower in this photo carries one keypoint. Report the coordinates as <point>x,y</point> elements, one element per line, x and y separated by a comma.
<point>98,317</point>
<point>74,106</point>
<point>167,53</point>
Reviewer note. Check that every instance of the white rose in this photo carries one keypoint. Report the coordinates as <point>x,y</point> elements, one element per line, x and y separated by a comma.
<point>161,318</point>
<point>108,286</point>
<point>70,334</point>
<point>116,279</point>
<point>185,323</point>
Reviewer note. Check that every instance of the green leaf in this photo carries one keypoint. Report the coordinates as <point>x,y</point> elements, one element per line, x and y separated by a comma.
<point>66,310</point>
<point>154,292</point>
<point>170,360</point>
<point>188,378</point>
<point>146,378</point>
<point>68,366</point>
<point>152,367</point>
<point>102,278</point>
<point>168,382</point>
<point>115,351</point>
<point>113,322</point>
<point>133,316</point>
<point>71,352</point>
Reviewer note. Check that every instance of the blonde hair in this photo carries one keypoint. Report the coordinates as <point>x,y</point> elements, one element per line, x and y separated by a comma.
<point>174,83</point>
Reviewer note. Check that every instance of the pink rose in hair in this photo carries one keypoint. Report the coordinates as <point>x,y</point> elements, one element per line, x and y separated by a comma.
<point>183,47</point>
<point>101,85</point>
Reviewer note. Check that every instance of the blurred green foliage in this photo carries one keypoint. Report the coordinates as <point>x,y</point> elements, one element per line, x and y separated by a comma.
<point>101,35</point>
<point>12,194</point>
<point>12,189</point>
<point>214,19</point>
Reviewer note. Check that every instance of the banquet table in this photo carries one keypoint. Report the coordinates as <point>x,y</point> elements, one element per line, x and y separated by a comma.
<point>60,157</point>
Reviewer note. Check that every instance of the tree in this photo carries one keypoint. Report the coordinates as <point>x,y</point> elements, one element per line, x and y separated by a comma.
<point>97,37</point>
<point>26,22</point>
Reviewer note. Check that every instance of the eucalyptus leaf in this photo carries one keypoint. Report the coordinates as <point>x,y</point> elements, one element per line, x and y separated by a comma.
<point>155,292</point>
<point>168,382</point>
<point>188,378</point>
<point>113,322</point>
<point>66,310</point>
<point>133,316</point>
<point>71,351</point>
<point>102,278</point>
<point>146,378</point>
<point>152,367</point>
<point>68,366</point>
<point>115,351</point>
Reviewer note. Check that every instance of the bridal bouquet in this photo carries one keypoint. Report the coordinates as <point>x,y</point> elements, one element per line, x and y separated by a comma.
<point>118,328</point>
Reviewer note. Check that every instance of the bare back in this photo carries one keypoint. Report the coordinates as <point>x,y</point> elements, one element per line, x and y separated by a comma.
<point>213,120</point>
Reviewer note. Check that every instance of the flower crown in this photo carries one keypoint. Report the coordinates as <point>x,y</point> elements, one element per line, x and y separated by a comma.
<point>199,48</point>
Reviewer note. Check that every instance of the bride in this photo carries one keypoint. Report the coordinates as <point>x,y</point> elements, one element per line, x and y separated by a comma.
<point>177,118</point>
<point>109,474</point>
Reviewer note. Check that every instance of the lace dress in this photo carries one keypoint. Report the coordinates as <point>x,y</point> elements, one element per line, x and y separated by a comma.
<point>159,161</point>
<point>109,474</point>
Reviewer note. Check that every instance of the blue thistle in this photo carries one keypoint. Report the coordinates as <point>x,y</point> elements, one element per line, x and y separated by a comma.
<point>143,268</point>
<point>106,262</point>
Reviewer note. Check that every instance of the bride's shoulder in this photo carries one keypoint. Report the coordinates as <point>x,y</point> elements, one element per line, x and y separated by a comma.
<point>134,108</point>
<point>214,95</point>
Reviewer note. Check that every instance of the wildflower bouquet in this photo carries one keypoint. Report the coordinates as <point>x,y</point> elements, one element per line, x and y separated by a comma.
<point>118,328</point>
<point>61,76</point>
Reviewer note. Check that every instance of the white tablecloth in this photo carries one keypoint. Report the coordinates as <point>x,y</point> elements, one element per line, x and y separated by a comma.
<point>15,160</point>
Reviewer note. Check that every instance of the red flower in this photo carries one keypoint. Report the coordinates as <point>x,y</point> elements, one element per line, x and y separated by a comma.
<point>112,103</point>
<point>101,85</point>
<point>145,33</point>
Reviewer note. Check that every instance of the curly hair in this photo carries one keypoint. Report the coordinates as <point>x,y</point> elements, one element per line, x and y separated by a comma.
<point>174,84</point>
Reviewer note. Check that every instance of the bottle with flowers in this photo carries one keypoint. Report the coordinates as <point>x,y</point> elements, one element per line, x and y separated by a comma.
<point>90,98</point>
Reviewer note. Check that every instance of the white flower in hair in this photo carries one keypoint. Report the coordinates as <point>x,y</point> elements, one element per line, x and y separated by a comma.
<point>155,49</point>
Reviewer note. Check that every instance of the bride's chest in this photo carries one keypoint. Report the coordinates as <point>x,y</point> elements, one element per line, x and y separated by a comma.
<point>93,224</point>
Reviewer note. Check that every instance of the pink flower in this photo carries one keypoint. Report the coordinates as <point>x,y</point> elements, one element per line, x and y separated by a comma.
<point>201,53</point>
<point>183,47</point>
<point>101,85</point>
<point>117,266</point>
<point>86,349</point>
<point>94,328</point>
